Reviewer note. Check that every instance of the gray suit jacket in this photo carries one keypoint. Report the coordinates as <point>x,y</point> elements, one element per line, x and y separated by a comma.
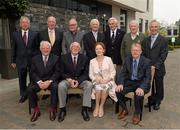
<point>157,54</point>
<point>68,39</point>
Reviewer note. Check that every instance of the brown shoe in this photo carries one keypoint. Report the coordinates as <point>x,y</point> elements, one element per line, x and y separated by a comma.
<point>136,119</point>
<point>123,114</point>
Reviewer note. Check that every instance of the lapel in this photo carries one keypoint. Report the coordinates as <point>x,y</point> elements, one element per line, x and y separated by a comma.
<point>149,42</point>
<point>29,37</point>
<point>21,38</point>
<point>78,61</point>
<point>47,35</point>
<point>49,61</point>
<point>56,36</point>
<point>99,37</point>
<point>117,33</point>
<point>92,37</point>
<point>69,60</point>
<point>156,42</point>
<point>129,64</point>
<point>139,64</point>
<point>41,62</point>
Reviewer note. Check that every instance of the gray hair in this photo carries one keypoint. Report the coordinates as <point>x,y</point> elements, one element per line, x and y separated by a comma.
<point>94,20</point>
<point>74,43</point>
<point>134,21</point>
<point>24,17</point>
<point>113,19</point>
<point>154,21</point>
<point>42,43</point>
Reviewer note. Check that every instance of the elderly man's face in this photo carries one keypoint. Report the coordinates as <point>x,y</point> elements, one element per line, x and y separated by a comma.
<point>134,28</point>
<point>94,26</point>
<point>72,25</point>
<point>154,28</point>
<point>112,24</point>
<point>75,48</point>
<point>24,24</point>
<point>136,51</point>
<point>45,49</point>
<point>51,23</point>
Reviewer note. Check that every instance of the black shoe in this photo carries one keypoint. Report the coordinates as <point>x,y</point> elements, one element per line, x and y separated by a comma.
<point>156,106</point>
<point>35,116</point>
<point>52,115</point>
<point>22,99</point>
<point>85,115</point>
<point>61,116</point>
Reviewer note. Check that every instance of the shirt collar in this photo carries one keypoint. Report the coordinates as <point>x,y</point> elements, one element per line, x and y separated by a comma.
<point>24,31</point>
<point>49,30</point>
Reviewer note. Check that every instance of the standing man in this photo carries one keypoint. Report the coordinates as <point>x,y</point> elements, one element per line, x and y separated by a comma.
<point>74,70</point>
<point>24,47</point>
<point>91,38</point>
<point>72,35</point>
<point>135,77</point>
<point>132,37</point>
<point>112,39</point>
<point>155,47</point>
<point>45,75</point>
<point>52,35</point>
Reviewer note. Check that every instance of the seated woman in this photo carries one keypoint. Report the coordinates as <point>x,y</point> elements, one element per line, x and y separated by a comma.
<point>102,73</point>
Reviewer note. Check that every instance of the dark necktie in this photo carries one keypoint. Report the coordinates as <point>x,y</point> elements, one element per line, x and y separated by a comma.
<point>134,71</point>
<point>45,60</point>
<point>25,38</point>
<point>112,37</point>
<point>74,62</point>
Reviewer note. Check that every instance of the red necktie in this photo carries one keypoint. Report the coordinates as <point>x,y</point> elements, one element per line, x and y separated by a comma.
<point>25,38</point>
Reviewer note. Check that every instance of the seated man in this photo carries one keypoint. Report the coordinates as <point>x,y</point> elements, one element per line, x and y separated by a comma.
<point>44,76</point>
<point>74,73</point>
<point>134,77</point>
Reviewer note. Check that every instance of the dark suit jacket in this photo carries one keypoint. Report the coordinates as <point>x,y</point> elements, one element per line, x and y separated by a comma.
<point>57,46</point>
<point>67,70</point>
<point>113,49</point>
<point>40,72</point>
<point>89,43</point>
<point>157,54</point>
<point>143,74</point>
<point>22,54</point>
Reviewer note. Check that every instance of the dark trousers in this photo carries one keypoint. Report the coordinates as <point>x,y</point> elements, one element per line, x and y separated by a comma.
<point>158,89</point>
<point>131,86</point>
<point>32,94</point>
<point>22,75</point>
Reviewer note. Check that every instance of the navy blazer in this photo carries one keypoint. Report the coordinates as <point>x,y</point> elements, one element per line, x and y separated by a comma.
<point>89,43</point>
<point>157,54</point>
<point>143,73</point>
<point>57,46</point>
<point>113,49</point>
<point>80,73</point>
<point>22,54</point>
<point>48,72</point>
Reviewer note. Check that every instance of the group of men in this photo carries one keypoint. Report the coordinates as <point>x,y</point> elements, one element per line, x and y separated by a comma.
<point>57,61</point>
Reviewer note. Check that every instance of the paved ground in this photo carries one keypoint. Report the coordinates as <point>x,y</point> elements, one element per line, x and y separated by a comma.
<point>15,115</point>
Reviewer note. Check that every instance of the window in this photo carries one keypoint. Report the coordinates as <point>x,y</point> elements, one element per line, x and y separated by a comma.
<point>146,25</point>
<point>141,25</point>
<point>123,19</point>
<point>147,6</point>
